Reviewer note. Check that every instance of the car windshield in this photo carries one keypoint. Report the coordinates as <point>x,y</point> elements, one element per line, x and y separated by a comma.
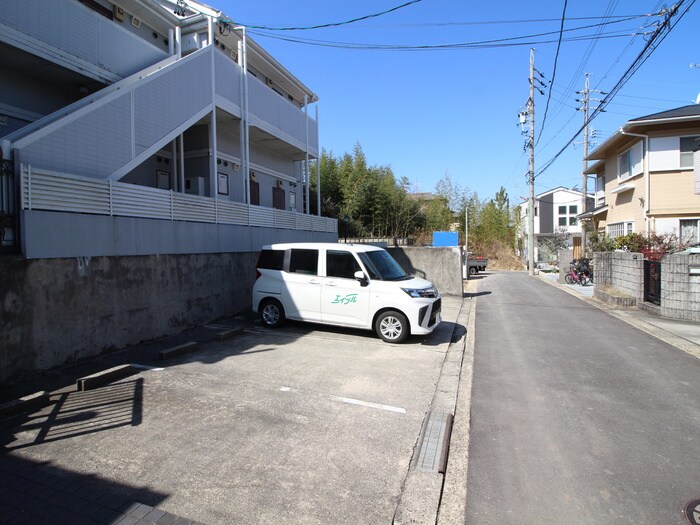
<point>381,265</point>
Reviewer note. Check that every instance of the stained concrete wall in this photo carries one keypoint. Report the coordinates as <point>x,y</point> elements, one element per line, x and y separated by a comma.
<point>442,266</point>
<point>55,311</point>
<point>59,310</point>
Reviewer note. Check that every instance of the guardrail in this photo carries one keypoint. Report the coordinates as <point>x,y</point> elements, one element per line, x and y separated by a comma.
<point>53,191</point>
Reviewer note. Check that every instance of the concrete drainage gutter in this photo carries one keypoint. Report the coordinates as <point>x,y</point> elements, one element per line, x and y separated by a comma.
<point>435,487</point>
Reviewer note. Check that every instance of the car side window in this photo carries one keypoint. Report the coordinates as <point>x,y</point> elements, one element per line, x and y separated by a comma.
<point>271,259</point>
<point>341,264</point>
<point>304,261</point>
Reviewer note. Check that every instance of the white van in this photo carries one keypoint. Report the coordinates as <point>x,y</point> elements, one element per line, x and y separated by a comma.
<point>353,285</point>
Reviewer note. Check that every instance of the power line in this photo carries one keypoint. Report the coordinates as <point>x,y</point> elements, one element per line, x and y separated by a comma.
<point>652,44</point>
<point>480,44</point>
<point>330,24</point>
<point>554,72</point>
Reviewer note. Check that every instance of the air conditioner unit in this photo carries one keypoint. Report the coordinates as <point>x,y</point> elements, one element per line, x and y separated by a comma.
<point>194,186</point>
<point>136,22</point>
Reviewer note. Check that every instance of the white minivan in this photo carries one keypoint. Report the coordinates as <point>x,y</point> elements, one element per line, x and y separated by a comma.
<point>354,285</point>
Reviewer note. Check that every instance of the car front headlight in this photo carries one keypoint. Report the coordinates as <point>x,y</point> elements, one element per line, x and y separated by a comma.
<point>425,292</point>
<point>412,292</point>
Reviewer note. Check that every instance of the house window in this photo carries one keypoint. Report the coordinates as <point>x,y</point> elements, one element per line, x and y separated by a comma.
<point>567,215</point>
<point>688,145</point>
<point>690,230</point>
<point>630,163</point>
<point>624,164</point>
<point>618,229</point>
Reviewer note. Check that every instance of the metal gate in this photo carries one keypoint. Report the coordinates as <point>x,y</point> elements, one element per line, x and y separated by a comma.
<point>9,240</point>
<point>652,282</point>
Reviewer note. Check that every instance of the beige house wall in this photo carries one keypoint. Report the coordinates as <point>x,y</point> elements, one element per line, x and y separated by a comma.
<point>673,193</point>
<point>625,206</point>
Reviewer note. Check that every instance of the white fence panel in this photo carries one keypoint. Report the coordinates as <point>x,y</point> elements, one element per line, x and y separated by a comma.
<point>285,219</point>
<point>193,208</point>
<point>139,201</point>
<point>262,217</point>
<point>48,190</point>
<point>232,213</point>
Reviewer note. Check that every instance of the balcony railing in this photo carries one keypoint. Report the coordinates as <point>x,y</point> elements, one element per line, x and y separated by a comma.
<point>46,190</point>
<point>58,27</point>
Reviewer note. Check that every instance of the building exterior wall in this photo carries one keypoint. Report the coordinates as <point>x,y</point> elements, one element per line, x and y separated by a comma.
<point>56,235</point>
<point>59,310</point>
<point>673,193</point>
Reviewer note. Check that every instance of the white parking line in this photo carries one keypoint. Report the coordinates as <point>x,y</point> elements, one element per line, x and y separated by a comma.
<point>369,404</point>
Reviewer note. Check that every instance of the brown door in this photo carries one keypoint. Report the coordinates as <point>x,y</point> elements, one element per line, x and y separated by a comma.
<point>278,198</point>
<point>255,193</point>
<point>577,247</point>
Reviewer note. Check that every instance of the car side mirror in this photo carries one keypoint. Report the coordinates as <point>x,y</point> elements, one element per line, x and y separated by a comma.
<point>361,277</point>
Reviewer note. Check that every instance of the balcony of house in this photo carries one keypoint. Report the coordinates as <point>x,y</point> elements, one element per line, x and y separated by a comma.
<point>55,31</point>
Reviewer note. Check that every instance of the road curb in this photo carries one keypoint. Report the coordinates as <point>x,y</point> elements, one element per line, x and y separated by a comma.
<point>178,350</point>
<point>32,401</point>
<point>453,503</point>
<point>105,376</point>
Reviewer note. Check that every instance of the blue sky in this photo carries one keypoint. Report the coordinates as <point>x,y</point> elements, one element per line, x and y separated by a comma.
<point>454,111</point>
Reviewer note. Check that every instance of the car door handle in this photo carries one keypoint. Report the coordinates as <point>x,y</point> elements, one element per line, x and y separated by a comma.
<point>331,283</point>
<point>314,281</point>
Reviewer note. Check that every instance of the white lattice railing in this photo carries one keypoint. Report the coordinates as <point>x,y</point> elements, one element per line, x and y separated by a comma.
<point>47,190</point>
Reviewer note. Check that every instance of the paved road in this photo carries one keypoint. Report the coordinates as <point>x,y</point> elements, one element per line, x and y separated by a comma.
<point>577,417</point>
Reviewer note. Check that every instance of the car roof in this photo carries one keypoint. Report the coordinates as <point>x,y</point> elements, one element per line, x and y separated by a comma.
<point>350,247</point>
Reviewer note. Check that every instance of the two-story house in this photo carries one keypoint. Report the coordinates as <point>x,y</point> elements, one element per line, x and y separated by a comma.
<point>648,176</point>
<point>149,149</point>
<point>555,217</point>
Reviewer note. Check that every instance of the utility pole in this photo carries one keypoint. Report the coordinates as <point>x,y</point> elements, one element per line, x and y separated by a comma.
<point>531,170</point>
<point>584,176</point>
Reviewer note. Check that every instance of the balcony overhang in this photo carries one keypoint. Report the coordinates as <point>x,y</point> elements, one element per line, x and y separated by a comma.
<point>593,213</point>
<point>622,188</point>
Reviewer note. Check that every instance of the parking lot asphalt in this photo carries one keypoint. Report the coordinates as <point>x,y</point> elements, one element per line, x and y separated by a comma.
<point>304,424</point>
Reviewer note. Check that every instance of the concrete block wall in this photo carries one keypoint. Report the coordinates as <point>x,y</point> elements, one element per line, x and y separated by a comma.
<point>56,311</point>
<point>442,266</point>
<point>623,271</point>
<point>680,291</point>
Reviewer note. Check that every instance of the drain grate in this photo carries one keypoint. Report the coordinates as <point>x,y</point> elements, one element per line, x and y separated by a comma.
<point>692,512</point>
<point>434,443</point>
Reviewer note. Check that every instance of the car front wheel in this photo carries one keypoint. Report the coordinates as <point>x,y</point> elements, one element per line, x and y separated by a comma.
<point>271,313</point>
<point>392,327</point>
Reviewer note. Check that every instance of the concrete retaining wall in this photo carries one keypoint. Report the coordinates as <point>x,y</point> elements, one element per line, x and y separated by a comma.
<point>442,266</point>
<point>58,310</point>
<point>55,311</point>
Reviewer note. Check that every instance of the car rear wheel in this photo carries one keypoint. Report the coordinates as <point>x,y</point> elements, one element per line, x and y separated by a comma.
<point>392,327</point>
<point>271,313</point>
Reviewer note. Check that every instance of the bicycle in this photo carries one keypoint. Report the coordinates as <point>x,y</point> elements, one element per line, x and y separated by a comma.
<point>576,276</point>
